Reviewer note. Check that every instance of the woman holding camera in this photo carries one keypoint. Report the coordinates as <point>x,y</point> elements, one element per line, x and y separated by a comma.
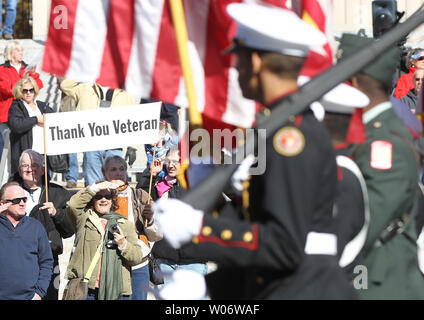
<point>91,211</point>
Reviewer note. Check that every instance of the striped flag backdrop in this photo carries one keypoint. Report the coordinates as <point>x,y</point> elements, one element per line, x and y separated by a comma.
<point>131,45</point>
<point>318,13</point>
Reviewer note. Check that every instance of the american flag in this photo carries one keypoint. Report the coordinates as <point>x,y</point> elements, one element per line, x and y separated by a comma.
<point>131,45</point>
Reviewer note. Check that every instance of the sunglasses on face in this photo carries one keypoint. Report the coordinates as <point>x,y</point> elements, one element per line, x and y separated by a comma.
<point>17,200</point>
<point>420,59</point>
<point>101,196</point>
<point>419,79</point>
<point>28,90</point>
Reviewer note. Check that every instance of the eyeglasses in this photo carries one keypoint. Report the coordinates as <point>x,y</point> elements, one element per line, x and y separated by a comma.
<point>420,58</point>
<point>33,166</point>
<point>28,90</point>
<point>419,79</point>
<point>17,200</point>
<point>174,162</point>
<point>101,196</point>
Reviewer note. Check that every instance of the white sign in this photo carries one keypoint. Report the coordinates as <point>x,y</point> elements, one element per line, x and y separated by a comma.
<point>102,128</point>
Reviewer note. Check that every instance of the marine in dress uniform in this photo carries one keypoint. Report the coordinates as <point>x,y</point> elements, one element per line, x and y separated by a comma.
<point>287,249</point>
<point>388,162</point>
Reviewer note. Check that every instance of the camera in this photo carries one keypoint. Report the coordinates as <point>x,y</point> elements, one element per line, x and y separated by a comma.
<point>110,243</point>
<point>114,228</point>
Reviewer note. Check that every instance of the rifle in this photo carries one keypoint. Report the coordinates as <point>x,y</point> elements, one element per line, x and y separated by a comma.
<point>206,194</point>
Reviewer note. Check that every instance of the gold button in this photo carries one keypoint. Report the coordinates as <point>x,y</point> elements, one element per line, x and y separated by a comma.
<point>195,240</point>
<point>248,236</point>
<point>266,112</point>
<point>226,234</point>
<point>292,118</point>
<point>206,231</point>
<point>215,214</point>
<point>339,54</point>
<point>377,124</point>
<point>405,216</point>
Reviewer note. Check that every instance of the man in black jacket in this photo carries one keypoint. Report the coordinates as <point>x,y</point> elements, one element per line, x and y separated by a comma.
<point>51,213</point>
<point>169,258</point>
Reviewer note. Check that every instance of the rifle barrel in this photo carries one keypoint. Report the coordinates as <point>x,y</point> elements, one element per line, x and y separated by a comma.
<point>205,195</point>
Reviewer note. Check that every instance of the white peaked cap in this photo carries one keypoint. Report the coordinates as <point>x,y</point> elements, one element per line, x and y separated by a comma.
<point>341,99</point>
<point>274,29</point>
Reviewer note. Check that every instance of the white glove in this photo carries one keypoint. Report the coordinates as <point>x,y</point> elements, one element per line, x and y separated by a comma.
<point>183,285</point>
<point>242,173</point>
<point>178,221</point>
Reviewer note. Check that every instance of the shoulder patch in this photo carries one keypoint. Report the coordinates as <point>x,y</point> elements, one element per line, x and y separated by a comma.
<point>381,155</point>
<point>289,141</point>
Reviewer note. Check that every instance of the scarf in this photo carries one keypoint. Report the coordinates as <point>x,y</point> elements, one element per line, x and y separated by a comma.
<point>356,130</point>
<point>110,287</point>
<point>164,185</point>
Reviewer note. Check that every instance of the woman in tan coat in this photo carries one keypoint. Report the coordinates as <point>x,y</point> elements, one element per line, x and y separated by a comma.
<point>91,211</point>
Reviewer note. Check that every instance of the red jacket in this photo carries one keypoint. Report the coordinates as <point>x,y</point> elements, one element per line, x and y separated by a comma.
<point>8,79</point>
<point>405,83</point>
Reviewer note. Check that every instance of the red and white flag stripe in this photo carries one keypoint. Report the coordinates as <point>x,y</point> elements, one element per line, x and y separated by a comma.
<point>318,13</point>
<point>131,45</point>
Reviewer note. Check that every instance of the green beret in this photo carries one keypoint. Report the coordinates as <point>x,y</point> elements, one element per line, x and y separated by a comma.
<point>380,69</point>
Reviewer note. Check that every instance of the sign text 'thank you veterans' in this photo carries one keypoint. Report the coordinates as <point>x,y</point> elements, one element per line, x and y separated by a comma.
<point>102,128</point>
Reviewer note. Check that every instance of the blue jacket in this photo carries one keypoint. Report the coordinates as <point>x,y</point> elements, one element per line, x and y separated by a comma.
<point>26,261</point>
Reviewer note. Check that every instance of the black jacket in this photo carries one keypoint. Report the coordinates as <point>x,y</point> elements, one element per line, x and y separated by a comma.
<point>264,257</point>
<point>162,249</point>
<point>20,124</point>
<point>59,226</point>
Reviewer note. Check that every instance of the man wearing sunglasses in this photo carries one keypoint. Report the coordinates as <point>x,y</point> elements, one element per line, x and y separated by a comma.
<point>405,83</point>
<point>412,97</point>
<point>26,258</point>
<point>51,213</point>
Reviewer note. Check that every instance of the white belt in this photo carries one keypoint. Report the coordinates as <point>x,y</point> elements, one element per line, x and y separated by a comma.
<point>321,243</point>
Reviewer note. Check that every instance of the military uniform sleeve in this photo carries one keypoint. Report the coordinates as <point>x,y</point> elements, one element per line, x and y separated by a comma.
<point>390,171</point>
<point>296,189</point>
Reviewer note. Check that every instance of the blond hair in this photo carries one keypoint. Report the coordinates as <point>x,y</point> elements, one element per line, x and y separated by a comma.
<point>17,89</point>
<point>10,47</point>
